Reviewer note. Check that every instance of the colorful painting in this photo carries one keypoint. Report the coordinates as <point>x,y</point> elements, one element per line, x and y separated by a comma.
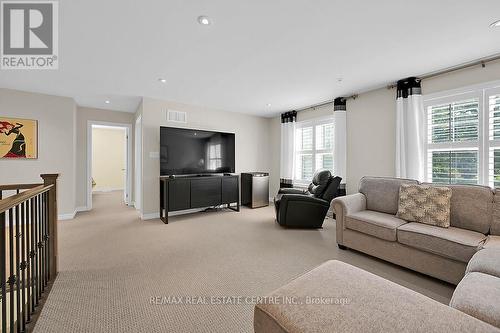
<point>18,138</point>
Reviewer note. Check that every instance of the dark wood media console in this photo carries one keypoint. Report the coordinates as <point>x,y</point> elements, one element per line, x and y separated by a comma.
<point>190,192</point>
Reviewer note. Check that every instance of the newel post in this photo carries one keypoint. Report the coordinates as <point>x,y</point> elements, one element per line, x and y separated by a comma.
<point>51,179</point>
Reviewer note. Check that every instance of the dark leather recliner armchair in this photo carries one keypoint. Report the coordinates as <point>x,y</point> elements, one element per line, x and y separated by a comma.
<point>298,208</point>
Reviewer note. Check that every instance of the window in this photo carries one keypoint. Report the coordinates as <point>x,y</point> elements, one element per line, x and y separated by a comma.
<point>314,148</point>
<point>214,156</point>
<point>453,140</point>
<point>463,137</point>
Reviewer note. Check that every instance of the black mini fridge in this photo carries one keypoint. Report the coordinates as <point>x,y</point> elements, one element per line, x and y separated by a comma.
<point>255,189</point>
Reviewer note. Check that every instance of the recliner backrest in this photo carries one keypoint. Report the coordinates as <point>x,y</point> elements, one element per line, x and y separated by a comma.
<point>320,182</point>
<point>332,191</point>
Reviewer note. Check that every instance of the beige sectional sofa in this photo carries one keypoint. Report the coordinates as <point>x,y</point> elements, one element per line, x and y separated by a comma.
<point>478,294</point>
<point>367,222</point>
<point>467,253</point>
<point>369,303</point>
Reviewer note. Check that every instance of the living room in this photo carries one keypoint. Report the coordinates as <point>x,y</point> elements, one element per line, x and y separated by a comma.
<point>288,166</point>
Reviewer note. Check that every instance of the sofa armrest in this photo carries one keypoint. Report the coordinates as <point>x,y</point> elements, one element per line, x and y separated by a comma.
<point>291,191</point>
<point>286,198</point>
<point>343,206</point>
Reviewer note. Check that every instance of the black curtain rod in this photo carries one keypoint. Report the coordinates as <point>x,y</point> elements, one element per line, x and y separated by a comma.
<point>326,103</point>
<point>480,62</point>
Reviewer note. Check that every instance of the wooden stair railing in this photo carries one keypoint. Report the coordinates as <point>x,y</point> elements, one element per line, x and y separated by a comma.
<point>28,250</point>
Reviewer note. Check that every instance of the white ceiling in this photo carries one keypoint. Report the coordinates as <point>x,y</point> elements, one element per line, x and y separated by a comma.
<point>287,53</point>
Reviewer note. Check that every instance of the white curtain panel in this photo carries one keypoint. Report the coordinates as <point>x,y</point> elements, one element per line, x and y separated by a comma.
<point>340,138</point>
<point>288,121</point>
<point>410,130</point>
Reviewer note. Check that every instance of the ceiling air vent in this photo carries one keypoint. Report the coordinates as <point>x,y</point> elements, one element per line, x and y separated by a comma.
<point>176,116</point>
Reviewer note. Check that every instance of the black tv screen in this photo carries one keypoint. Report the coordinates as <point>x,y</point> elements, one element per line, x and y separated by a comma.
<point>192,152</point>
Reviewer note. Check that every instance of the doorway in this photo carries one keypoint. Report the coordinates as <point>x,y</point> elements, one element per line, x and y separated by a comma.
<point>109,154</point>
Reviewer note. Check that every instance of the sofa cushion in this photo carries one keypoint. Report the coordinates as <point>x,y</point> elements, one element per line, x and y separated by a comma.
<point>425,204</point>
<point>478,295</point>
<point>453,243</point>
<point>486,261</point>
<point>356,301</point>
<point>373,223</point>
<point>382,194</point>
<point>492,242</point>
<point>471,207</point>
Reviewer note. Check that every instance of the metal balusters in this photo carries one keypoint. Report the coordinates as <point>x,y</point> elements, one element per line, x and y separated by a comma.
<point>28,250</point>
<point>46,239</point>
<point>29,222</point>
<point>35,247</point>
<point>32,255</point>
<point>23,265</point>
<point>17,290</point>
<point>40,245</point>
<point>42,242</point>
<point>40,249</point>
<point>12,277</point>
<point>3,276</point>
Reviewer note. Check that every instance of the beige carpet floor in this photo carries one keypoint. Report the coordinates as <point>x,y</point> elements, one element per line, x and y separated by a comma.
<point>112,263</point>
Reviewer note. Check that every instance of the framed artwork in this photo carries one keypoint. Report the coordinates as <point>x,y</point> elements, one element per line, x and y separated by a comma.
<point>18,138</point>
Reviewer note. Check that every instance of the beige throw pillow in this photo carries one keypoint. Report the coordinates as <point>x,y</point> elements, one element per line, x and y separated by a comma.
<point>425,204</point>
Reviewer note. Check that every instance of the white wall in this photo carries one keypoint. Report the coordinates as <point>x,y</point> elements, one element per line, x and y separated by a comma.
<point>371,123</point>
<point>371,119</point>
<point>371,136</point>
<point>252,141</point>
<point>56,143</point>
<point>109,161</point>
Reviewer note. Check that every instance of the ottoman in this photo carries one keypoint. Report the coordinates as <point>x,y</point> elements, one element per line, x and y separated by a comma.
<point>337,297</point>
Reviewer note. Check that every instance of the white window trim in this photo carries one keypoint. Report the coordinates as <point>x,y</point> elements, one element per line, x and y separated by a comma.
<point>482,92</point>
<point>490,144</point>
<point>311,123</point>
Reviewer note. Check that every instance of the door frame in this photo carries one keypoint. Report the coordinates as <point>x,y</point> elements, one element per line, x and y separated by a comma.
<point>138,164</point>
<point>128,149</point>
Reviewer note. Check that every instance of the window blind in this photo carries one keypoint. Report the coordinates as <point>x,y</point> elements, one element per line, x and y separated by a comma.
<point>452,142</point>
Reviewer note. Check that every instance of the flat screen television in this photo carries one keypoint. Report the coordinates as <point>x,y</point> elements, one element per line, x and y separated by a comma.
<point>194,152</point>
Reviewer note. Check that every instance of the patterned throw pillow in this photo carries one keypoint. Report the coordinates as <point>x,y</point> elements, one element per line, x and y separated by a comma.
<point>425,204</point>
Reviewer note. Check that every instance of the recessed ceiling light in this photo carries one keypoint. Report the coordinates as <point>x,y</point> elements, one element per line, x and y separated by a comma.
<point>495,24</point>
<point>107,101</point>
<point>162,80</point>
<point>268,105</point>
<point>204,20</point>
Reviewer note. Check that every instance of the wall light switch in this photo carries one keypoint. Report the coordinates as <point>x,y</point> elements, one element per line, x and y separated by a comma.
<point>154,154</point>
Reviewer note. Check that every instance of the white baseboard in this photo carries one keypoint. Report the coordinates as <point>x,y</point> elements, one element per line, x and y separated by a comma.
<point>150,216</point>
<point>82,209</point>
<point>70,216</point>
<point>108,189</point>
